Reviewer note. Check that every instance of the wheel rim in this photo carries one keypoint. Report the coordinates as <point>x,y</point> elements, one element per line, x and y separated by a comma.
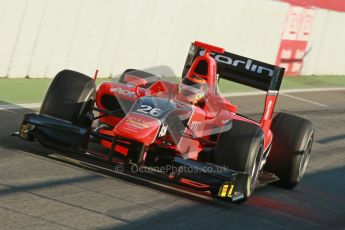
<point>305,159</point>
<point>255,171</point>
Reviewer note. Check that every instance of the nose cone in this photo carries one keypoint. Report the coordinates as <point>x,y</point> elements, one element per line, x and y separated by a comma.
<point>140,128</point>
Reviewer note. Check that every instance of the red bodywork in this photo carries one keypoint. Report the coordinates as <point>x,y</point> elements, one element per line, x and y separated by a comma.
<point>175,129</point>
<point>145,129</point>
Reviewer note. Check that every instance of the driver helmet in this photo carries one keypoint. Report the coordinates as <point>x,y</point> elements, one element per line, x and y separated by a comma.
<point>193,88</point>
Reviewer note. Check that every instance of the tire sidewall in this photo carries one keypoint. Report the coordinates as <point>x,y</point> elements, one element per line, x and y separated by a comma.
<point>69,97</point>
<point>238,150</point>
<point>296,161</point>
<point>291,135</point>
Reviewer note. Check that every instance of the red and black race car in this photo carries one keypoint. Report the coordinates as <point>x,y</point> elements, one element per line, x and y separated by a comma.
<point>187,132</point>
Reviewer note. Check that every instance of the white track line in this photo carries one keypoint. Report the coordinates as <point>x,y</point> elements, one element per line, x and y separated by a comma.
<point>19,106</point>
<point>240,94</point>
<point>1,109</point>
<point>7,107</point>
<point>305,100</point>
<point>312,90</point>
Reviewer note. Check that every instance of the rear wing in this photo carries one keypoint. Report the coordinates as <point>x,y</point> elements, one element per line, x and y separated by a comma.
<point>241,69</point>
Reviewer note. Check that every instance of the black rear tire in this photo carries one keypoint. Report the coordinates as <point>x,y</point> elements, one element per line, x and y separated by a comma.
<point>291,148</point>
<point>241,149</point>
<point>70,97</point>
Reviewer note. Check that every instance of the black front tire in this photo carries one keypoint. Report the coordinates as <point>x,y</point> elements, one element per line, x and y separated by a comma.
<point>70,97</point>
<point>241,149</point>
<point>291,148</point>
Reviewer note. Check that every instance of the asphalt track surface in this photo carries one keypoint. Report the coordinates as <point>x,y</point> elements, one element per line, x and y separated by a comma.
<point>45,189</point>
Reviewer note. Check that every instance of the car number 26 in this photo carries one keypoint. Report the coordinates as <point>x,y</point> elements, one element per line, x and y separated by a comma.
<point>147,109</point>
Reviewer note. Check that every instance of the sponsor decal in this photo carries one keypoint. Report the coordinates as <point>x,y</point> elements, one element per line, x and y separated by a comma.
<point>196,126</point>
<point>147,109</point>
<point>123,92</point>
<point>226,190</point>
<point>245,63</point>
<point>163,130</point>
<point>137,122</point>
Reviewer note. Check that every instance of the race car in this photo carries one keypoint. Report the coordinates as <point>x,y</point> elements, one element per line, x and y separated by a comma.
<point>186,131</point>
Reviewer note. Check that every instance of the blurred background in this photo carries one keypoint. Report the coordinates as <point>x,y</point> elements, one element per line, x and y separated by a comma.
<point>41,37</point>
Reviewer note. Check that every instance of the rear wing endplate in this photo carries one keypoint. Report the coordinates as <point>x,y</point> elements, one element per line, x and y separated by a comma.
<point>241,69</point>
